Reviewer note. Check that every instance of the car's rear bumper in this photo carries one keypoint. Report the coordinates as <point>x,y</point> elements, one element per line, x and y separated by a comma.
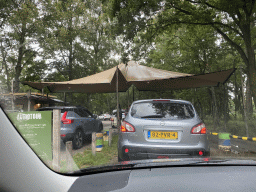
<point>67,137</point>
<point>67,134</point>
<point>137,152</point>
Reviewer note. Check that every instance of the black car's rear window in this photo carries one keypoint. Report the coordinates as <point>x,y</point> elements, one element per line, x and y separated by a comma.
<point>168,110</point>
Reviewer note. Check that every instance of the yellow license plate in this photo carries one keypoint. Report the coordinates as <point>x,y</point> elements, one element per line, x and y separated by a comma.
<point>163,135</point>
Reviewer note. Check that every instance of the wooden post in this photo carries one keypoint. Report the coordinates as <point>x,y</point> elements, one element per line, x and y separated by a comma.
<point>69,155</point>
<point>56,139</point>
<point>94,143</point>
<point>110,136</point>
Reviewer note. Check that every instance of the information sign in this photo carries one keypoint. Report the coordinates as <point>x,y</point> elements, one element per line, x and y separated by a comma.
<point>36,129</point>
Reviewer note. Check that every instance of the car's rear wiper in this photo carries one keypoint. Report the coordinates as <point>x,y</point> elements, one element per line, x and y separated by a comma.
<point>153,116</point>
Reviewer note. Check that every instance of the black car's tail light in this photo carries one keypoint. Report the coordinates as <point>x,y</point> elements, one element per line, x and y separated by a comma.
<point>199,129</point>
<point>127,127</point>
<point>64,120</point>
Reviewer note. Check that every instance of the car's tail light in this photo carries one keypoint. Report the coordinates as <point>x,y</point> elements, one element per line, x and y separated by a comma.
<point>199,129</point>
<point>64,120</point>
<point>127,127</point>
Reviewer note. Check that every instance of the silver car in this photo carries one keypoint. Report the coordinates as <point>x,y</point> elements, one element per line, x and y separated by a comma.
<point>162,128</point>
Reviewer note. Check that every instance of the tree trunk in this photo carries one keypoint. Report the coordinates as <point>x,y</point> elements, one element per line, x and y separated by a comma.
<point>245,115</point>
<point>70,58</point>
<point>252,82</point>
<point>5,66</point>
<point>236,93</point>
<point>18,67</point>
<point>70,62</point>
<point>201,112</point>
<point>248,104</point>
<point>250,60</point>
<point>215,110</point>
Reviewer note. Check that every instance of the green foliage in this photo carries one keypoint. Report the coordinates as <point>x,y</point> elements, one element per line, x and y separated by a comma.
<point>154,20</point>
<point>76,36</point>
<point>35,71</point>
<point>19,28</point>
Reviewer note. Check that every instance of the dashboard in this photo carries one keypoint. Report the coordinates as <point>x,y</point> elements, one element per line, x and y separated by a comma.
<point>195,178</point>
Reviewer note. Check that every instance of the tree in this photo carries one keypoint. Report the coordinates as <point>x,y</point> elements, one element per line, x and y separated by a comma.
<point>18,39</point>
<point>62,26</point>
<point>76,37</point>
<point>233,20</point>
<point>100,43</point>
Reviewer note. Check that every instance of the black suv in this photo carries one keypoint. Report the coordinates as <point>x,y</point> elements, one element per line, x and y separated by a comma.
<point>76,123</point>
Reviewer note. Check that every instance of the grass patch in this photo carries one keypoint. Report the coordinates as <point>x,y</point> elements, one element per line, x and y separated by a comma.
<point>108,155</point>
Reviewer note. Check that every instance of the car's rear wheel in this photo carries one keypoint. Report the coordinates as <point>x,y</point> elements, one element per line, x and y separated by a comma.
<point>78,139</point>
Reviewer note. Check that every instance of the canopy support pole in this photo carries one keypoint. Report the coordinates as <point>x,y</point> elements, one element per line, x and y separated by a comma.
<point>64,98</point>
<point>128,99</point>
<point>133,93</point>
<point>12,95</point>
<point>117,100</point>
<point>29,99</point>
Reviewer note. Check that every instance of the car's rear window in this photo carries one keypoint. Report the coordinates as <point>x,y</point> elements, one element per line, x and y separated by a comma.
<point>168,110</point>
<point>50,109</point>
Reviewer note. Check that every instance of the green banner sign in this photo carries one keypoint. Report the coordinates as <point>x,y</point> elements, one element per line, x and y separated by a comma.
<point>36,129</point>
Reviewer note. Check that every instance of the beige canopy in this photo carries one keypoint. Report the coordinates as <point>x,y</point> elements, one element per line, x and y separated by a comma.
<point>144,78</point>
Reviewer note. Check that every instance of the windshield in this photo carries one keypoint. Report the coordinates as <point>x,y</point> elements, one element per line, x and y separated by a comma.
<point>162,110</point>
<point>91,84</point>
